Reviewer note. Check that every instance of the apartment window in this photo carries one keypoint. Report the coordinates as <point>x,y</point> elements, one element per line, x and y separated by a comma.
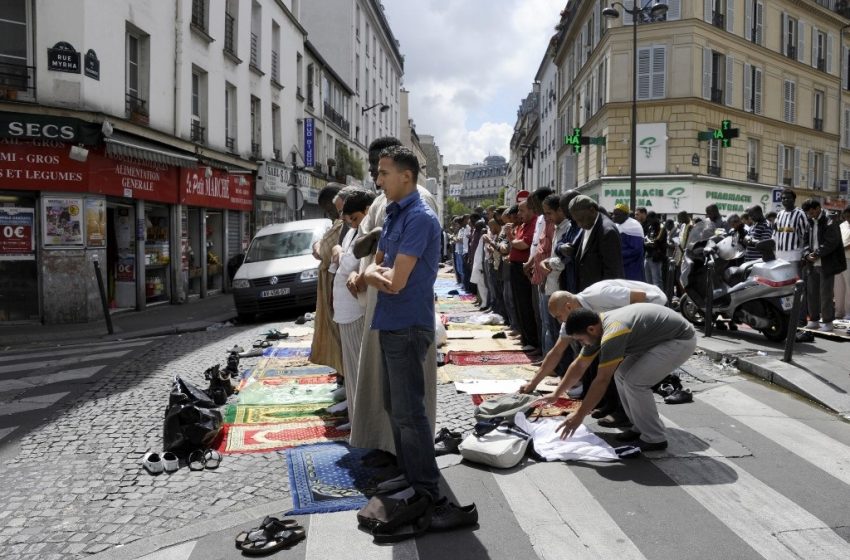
<point>199,105</point>
<point>714,158</point>
<point>276,52</point>
<point>754,21</point>
<point>357,74</point>
<point>601,84</point>
<point>199,14</point>
<point>256,25</point>
<point>718,76</point>
<point>230,117</point>
<point>588,38</point>
<point>368,33</point>
<point>816,170</point>
<point>752,160</point>
<point>753,87</point>
<point>845,128</point>
<point>819,49</point>
<point>817,109</point>
<point>718,12</point>
<point>276,132</point>
<point>788,165</point>
<point>652,72</point>
<point>790,107</point>
<point>231,30</point>
<point>588,100</point>
<point>16,71</point>
<point>136,86</point>
<point>367,99</point>
<point>374,51</point>
<point>357,21</point>
<point>792,40</point>
<point>310,81</point>
<point>256,131</point>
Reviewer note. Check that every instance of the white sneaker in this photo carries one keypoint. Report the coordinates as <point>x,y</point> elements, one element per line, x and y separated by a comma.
<point>825,327</point>
<point>812,325</point>
<point>170,462</point>
<point>575,392</point>
<point>152,463</point>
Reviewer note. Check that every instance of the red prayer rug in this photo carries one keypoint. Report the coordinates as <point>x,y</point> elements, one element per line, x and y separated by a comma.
<point>486,358</point>
<point>261,438</point>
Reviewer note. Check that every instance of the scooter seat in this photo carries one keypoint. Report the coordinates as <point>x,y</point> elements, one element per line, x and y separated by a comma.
<point>735,274</point>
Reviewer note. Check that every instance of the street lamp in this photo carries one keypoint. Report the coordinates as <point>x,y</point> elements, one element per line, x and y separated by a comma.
<point>657,9</point>
<point>384,108</point>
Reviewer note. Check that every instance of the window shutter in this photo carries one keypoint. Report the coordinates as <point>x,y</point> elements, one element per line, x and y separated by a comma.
<point>844,66</point>
<point>730,16</point>
<point>827,176</point>
<point>829,46</point>
<point>707,9</point>
<point>706,73</point>
<point>644,78</point>
<point>801,41</point>
<point>783,41</point>
<point>759,17</point>
<point>580,45</point>
<point>793,102</point>
<point>796,167</point>
<point>780,163</point>
<point>846,126</point>
<point>748,20</point>
<point>748,88</point>
<point>659,72</point>
<point>730,82</point>
<point>811,169</point>
<point>757,89</point>
<point>674,10</point>
<point>814,46</point>
<point>627,17</point>
<point>596,31</point>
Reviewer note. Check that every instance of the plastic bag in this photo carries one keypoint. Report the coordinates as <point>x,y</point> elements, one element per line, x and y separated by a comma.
<point>188,427</point>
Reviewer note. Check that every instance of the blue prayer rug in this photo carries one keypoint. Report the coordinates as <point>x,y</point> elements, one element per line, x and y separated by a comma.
<point>327,477</point>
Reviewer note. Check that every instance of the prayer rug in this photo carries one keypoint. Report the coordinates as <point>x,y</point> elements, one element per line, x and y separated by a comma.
<point>451,373</point>
<point>483,345</point>
<point>286,352</point>
<point>272,368</point>
<point>561,407</point>
<point>261,438</point>
<point>262,393</point>
<point>466,297</point>
<point>467,334</point>
<point>487,358</point>
<point>328,477</point>
<point>279,413</point>
<point>299,380</point>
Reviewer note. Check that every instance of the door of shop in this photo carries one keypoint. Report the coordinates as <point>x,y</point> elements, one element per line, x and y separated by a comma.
<point>121,263</point>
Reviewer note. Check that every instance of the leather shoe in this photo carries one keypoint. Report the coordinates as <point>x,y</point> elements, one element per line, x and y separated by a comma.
<point>448,515</point>
<point>628,435</point>
<point>600,413</point>
<point>647,446</point>
<point>614,421</point>
<point>680,396</point>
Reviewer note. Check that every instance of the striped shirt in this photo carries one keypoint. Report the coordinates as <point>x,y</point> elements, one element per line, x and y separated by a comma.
<point>759,232</point>
<point>791,230</point>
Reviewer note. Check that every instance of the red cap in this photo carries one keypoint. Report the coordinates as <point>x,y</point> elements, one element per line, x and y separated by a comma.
<point>522,196</point>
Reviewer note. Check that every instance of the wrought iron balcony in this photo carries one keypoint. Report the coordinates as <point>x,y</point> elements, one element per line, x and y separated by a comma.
<point>230,33</point>
<point>277,154</point>
<point>821,64</point>
<point>275,66</point>
<point>718,20</point>
<point>714,170</point>
<point>136,108</point>
<point>256,151</point>
<point>791,51</point>
<point>230,143</point>
<point>716,95</point>
<point>16,79</point>
<point>255,50</point>
<point>199,14</point>
<point>332,115</point>
<point>753,175</point>
<point>818,123</point>
<point>197,132</point>
<point>788,180</point>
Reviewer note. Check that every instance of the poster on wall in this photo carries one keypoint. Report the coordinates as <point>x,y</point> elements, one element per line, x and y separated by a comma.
<point>652,148</point>
<point>95,222</point>
<point>63,221</point>
<point>17,241</point>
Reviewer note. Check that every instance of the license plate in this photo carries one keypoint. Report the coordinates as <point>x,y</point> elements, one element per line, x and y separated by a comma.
<point>275,292</point>
<point>787,303</point>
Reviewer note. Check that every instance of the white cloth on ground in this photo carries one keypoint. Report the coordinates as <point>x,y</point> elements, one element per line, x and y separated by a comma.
<point>583,445</point>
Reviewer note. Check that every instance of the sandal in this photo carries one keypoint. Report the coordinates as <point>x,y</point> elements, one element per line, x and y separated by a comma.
<point>267,523</point>
<point>262,343</point>
<point>212,459</point>
<point>271,540</point>
<point>197,462</point>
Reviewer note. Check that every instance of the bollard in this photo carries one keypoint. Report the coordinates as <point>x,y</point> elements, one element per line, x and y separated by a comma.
<point>103,302</point>
<point>791,337</point>
<point>709,299</point>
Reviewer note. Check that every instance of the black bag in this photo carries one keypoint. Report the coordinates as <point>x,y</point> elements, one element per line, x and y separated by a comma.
<point>188,427</point>
<point>183,392</point>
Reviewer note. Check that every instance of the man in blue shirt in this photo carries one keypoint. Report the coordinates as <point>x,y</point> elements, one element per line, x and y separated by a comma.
<point>404,273</point>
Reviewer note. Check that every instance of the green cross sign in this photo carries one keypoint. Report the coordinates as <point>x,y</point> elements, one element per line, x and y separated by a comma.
<point>725,134</point>
<point>574,140</point>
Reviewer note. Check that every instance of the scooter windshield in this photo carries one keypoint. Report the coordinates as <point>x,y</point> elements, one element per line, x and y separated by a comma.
<point>703,231</point>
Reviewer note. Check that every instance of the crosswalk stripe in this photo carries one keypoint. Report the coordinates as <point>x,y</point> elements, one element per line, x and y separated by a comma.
<point>49,379</point>
<point>559,514</point>
<point>31,366</point>
<point>773,525</point>
<point>71,351</point>
<point>324,541</point>
<point>804,441</point>
<point>31,403</point>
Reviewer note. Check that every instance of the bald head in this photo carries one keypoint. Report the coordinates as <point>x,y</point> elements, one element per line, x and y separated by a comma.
<point>561,304</point>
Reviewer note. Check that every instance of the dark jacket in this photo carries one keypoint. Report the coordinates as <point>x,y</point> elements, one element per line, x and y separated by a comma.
<point>655,244</point>
<point>602,259</point>
<point>830,246</point>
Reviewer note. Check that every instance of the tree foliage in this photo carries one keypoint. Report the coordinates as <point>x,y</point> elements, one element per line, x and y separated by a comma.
<point>347,163</point>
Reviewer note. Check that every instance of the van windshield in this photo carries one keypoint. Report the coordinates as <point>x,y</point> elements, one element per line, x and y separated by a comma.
<point>281,245</point>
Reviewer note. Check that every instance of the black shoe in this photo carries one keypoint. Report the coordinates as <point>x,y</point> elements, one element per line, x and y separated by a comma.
<point>446,442</point>
<point>628,435</point>
<point>646,446</point>
<point>377,459</point>
<point>803,336</point>
<point>448,516</point>
<point>600,413</point>
<point>500,334</point>
<point>615,421</point>
<point>681,396</point>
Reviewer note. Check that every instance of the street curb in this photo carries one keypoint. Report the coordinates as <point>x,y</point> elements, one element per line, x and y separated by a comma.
<point>197,531</point>
<point>785,375</point>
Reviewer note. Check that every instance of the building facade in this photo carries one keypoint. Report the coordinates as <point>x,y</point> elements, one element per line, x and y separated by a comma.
<point>772,70</point>
<point>526,144</point>
<point>483,181</point>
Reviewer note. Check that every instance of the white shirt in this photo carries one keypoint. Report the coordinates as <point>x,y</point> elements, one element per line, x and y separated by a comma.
<point>586,237</point>
<point>607,295</point>
<point>845,238</point>
<point>555,263</point>
<point>347,308</point>
<point>538,233</point>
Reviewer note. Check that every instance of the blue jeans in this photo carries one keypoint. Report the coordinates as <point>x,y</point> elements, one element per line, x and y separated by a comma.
<point>654,273</point>
<point>458,262</point>
<point>403,357</point>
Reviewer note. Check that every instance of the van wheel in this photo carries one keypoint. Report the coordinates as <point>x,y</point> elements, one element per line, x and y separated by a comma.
<point>246,318</point>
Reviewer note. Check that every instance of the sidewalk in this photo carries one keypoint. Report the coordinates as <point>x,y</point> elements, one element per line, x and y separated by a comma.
<point>817,371</point>
<point>158,320</point>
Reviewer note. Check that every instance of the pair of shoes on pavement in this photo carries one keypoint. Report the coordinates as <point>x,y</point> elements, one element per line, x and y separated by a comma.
<point>679,396</point>
<point>204,459</point>
<point>447,442</point>
<point>632,435</point>
<point>273,534</point>
<point>156,463</point>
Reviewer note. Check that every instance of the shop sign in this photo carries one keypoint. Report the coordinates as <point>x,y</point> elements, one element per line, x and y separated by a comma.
<point>40,165</point>
<point>16,233</point>
<point>141,180</point>
<point>63,57</point>
<point>62,221</point>
<point>273,179</point>
<point>652,148</point>
<point>92,65</point>
<point>45,127</point>
<point>126,269</point>
<point>95,222</point>
<point>671,197</point>
<point>218,190</point>
<point>309,142</point>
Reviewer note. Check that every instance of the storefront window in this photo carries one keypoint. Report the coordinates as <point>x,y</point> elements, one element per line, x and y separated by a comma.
<point>121,256</point>
<point>18,265</point>
<point>157,254</point>
<point>215,250</point>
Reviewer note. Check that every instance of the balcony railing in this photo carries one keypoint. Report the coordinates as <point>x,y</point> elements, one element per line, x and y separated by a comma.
<point>199,14</point>
<point>15,79</point>
<point>821,64</point>
<point>714,170</point>
<point>791,51</point>
<point>718,20</point>
<point>275,66</point>
<point>136,108</point>
<point>197,132</point>
<point>277,154</point>
<point>229,33</point>
<point>716,95</point>
<point>753,175</point>
<point>332,115</point>
<point>256,151</point>
<point>818,124</point>
<point>255,50</point>
<point>787,180</point>
<point>230,143</point>
<point>817,184</point>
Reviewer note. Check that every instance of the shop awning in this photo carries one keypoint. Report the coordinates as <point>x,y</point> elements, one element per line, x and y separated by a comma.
<point>119,146</point>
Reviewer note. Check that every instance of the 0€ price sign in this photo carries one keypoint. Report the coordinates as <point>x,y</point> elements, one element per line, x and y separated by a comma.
<point>16,231</point>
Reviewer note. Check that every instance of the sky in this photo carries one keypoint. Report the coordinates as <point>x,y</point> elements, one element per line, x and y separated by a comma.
<point>468,64</point>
